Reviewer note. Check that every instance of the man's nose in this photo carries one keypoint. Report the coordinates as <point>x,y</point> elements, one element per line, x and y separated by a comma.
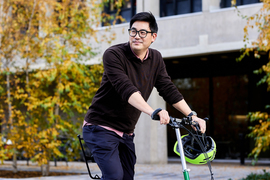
<point>137,35</point>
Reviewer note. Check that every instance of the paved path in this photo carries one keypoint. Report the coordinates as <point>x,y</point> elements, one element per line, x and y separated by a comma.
<point>171,171</point>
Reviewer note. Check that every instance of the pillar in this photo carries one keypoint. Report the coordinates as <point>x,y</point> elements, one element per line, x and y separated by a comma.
<point>150,136</point>
<point>208,5</point>
<point>148,6</point>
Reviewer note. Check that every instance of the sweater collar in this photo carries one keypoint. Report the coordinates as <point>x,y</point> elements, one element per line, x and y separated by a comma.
<point>131,54</point>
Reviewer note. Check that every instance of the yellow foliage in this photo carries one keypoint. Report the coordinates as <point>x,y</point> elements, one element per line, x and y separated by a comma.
<point>44,101</point>
<point>3,149</point>
<point>260,132</point>
<point>259,21</point>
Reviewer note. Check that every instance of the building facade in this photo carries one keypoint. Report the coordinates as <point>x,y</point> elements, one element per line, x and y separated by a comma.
<point>200,41</point>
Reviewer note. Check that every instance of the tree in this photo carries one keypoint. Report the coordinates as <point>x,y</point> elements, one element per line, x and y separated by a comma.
<point>10,36</point>
<point>260,132</point>
<point>48,102</point>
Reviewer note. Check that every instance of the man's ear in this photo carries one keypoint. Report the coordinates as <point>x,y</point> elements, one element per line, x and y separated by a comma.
<point>154,36</point>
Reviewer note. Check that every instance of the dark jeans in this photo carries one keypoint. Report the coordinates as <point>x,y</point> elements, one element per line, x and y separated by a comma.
<point>114,155</point>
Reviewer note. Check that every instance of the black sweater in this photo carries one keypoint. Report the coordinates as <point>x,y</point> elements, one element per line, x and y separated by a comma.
<point>125,74</point>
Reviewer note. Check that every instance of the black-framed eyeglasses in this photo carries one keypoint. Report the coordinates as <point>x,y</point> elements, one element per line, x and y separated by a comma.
<point>142,33</point>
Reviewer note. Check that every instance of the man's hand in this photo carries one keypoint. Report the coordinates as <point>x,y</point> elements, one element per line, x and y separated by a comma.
<point>201,122</point>
<point>164,117</point>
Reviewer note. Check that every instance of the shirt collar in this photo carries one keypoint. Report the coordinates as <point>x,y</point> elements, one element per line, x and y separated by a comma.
<point>146,56</point>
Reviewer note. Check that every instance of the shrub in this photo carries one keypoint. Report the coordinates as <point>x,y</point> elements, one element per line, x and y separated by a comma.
<point>253,176</point>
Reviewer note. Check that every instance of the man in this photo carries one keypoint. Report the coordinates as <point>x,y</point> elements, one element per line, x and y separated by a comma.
<point>131,70</point>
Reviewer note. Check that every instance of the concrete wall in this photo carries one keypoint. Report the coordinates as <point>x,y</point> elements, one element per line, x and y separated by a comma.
<point>213,30</point>
<point>210,31</point>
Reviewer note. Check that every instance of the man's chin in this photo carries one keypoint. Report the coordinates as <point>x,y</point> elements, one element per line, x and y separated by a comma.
<point>136,47</point>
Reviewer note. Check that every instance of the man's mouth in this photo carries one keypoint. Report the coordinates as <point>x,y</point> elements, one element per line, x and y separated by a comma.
<point>136,42</point>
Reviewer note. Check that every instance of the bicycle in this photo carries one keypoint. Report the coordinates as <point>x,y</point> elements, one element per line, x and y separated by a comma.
<point>177,124</point>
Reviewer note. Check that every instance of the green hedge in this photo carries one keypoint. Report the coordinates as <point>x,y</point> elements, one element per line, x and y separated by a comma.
<point>264,176</point>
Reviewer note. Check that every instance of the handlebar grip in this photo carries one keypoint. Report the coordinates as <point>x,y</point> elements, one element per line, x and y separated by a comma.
<point>155,115</point>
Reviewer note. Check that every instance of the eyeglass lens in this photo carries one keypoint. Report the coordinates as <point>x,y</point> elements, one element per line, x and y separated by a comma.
<point>142,33</point>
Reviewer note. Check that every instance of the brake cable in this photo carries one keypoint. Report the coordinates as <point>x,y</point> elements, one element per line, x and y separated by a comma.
<point>202,148</point>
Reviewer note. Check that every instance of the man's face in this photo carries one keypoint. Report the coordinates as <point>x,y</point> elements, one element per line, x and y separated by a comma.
<point>137,43</point>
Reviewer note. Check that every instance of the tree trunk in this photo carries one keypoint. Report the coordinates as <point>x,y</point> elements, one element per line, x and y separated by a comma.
<point>48,168</point>
<point>27,59</point>
<point>45,168</point>
<point>9,101</point>
<point>14,163</point>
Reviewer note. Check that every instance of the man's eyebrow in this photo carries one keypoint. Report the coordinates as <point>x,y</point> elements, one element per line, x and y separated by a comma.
<point>138,30</point>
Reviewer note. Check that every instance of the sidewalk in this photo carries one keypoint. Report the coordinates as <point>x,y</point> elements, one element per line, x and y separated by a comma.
<point>171,171</point>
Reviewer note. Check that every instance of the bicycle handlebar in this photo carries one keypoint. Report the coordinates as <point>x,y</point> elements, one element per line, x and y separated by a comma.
<point>183,121</point>
<point>176,122</point>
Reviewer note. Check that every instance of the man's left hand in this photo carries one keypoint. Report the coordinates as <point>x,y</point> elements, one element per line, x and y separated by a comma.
<point>201,122</point>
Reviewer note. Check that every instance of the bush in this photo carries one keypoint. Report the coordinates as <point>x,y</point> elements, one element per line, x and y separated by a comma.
<point>264,176</point>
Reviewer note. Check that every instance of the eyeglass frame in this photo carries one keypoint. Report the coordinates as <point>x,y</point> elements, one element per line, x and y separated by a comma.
<point>138,32</point>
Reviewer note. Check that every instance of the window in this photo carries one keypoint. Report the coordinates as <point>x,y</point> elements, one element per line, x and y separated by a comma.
<point>127,11</point>
<point>174,7</point>
<point>227,3</point>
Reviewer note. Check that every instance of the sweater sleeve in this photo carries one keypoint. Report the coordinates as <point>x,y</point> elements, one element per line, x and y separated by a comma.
<point>165,86</point>
<point>114,68</point>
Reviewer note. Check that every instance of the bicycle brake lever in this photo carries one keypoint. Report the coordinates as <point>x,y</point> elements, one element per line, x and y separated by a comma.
<point>196,125</point>
<point>206,118</point>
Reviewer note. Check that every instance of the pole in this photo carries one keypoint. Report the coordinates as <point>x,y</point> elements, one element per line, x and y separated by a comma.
<point>182,155</point>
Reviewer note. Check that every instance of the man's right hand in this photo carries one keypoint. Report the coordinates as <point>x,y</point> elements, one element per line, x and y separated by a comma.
<point>164,117</point>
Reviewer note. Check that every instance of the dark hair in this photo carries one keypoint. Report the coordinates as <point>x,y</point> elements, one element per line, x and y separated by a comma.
<point>147,17</point>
